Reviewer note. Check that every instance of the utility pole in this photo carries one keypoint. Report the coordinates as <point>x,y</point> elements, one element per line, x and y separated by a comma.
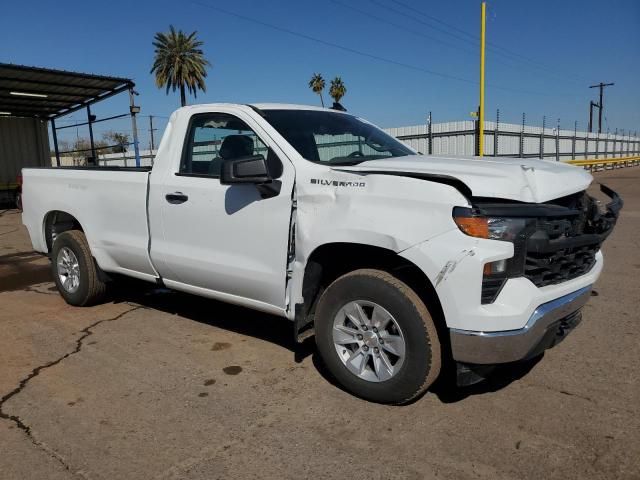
<point>600,104</point>
<point>483,10</point>
<point>133,110</point>
<point>151,130</point>
<point>591,105</point>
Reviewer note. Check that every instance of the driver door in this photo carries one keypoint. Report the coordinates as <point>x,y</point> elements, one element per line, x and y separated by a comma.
<point>224,241</point>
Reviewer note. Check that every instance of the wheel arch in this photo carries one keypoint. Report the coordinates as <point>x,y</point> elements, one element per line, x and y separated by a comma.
<point>57,221</point>
<point>332,260</point>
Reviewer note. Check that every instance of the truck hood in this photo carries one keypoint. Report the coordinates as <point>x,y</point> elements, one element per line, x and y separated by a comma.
<point>520,179</point>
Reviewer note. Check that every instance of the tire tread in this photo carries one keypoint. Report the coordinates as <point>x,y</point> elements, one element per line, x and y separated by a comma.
<point>96,288</point>
<point>430,329</point>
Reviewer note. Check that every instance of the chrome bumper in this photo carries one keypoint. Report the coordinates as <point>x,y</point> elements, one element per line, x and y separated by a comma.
<point>548,325</point>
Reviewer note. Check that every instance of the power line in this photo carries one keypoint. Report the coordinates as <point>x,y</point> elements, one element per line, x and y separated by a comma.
<point>334,45</point>
<point>506,61</point>
<point>442,22</point>
<point>360,52</point>
<point>403,27</point>
<point>495,48</point>
<point>473,40</point>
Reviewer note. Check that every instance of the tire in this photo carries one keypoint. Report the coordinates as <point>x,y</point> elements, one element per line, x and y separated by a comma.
<point>377,295</point>
<point>71,253</point>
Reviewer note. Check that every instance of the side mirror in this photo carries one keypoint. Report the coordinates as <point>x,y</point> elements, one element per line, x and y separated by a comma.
<point>244,170</point>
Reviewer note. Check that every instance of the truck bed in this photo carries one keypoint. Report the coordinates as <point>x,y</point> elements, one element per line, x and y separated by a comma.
<point>109,203</point>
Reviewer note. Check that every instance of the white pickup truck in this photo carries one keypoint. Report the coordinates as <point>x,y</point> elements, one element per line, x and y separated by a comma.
<point>396,261</point>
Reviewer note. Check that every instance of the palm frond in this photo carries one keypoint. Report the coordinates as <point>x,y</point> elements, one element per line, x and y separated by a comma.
<point>179,61</point>
<point>338,89</point>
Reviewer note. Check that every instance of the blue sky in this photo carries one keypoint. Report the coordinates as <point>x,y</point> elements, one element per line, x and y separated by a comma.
<point>560,47</point>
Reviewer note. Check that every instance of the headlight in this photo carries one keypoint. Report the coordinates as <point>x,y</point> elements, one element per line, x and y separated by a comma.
<point>495,274</point>
<point>493,228</point>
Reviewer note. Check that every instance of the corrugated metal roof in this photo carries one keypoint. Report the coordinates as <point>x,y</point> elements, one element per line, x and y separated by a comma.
<point>47,93</point>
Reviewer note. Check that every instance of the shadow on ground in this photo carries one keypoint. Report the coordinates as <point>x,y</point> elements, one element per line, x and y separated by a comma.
<point>499,378</point>
<point>21,270</point>
<point>279,331</point>
<point>240,320</point>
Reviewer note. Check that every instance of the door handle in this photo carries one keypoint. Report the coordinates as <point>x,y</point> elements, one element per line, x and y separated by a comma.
<point>176,197</point>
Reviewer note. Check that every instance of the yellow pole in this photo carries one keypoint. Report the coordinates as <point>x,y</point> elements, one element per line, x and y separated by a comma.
<point>481,112</point>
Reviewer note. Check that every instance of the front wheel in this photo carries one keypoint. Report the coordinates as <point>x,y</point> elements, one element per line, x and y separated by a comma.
<point>75,271</point>
<point>376,337</point>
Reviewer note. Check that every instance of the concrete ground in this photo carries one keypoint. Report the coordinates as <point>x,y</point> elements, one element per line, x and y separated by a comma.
<point>164,385</point>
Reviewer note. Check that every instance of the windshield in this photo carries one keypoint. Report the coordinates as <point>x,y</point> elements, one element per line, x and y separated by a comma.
<point>334,138</point>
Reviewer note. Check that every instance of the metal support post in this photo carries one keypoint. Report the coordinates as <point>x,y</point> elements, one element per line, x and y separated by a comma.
<point>89,123</point>
<point>586,145</point>
<point>151,132</point>
<point>573,140</point>
<point>476,133</point>
<point>429,136</point>
<point>496,134</point>
<point>606,145</point>
<point>54,134</point>
<point>628,141</point>
<point>544,120</point>
<point>522,137</point>
<point>558,142</point>
<point>134,110</point>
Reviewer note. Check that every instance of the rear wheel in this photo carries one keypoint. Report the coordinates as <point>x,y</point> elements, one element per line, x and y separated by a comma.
<point>75,271</point>
<point>376,337</point>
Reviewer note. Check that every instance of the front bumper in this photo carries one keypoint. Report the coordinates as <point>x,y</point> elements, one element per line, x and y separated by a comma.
<point>549,324</point>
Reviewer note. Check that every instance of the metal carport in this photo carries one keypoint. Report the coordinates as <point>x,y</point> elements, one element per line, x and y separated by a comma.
<point>30,97</point>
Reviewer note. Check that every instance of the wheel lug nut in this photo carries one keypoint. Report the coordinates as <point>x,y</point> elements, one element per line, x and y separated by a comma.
<point>359,337</point>
<point>366,348</point>
<point>376,350</point>
<point>364,327</point>
<point>381,341</point>
<point>375,329</point>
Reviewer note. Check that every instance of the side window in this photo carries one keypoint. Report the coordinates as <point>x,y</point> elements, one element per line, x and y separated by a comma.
<point>213,138</point>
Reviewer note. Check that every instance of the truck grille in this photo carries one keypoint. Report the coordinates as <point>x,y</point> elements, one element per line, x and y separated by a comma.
<point>556,267</point>
<point>559,241</point>
<point>564,262</point>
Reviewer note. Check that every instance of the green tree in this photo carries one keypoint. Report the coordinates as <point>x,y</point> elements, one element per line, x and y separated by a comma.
<point>179,62</point>
<point>317,85</point>
<point>117,140</point>
<point>81,150</point>
<point>337,90</point>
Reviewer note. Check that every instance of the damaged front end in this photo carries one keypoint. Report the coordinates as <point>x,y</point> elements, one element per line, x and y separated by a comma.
<point>553,242</point>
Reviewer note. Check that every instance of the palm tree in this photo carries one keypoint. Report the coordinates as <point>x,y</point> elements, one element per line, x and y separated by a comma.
<point>179,62</point>
<point>337,90</point>
<point>317,85</point>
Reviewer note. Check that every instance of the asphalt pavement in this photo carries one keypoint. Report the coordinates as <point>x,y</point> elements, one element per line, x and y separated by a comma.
<point>162,385</point>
